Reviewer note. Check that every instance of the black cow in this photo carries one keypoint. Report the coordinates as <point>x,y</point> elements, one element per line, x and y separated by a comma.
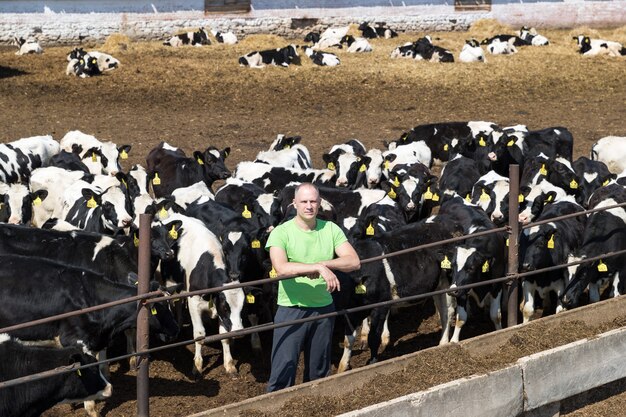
<point>548,245</point>
<point>168,168</point>
<point>33,398</point>
<point>458,178</point>
<point>274,179</point>
<point>592,175</point>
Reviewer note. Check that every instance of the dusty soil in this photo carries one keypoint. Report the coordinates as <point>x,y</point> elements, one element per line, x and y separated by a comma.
<point>196,97</point>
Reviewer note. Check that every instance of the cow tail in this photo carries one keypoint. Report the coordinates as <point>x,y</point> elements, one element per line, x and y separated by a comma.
<point>622,51</point>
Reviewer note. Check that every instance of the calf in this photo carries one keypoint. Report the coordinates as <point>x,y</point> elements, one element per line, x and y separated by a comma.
<point>531,36</point>
<point>35,397</point>
<point>545,246</point>
<point>605,232</point>
<point>197,38</point>
<point>511,39</point>
<point>286,152</point>
<point>229,38</point>
<point>280,57</point>
<point>200,265</point>
<point>458,178</point>
<point>591,47</point>
<point>276,178</point>
<point>248,197</point>
<point>592,175</point>
<point>612,151</point>
<point>472,52</point>
<point>19,158</point>
<point>414,189</point>
<point>425,50</point>
<point>403,51</point>
<point>86,64</point>
<point>312,37</point>
<point>169,168</point>
<point>27,46</point>
<point>323,59</point>
<point>497,47</point>
<point>491,193</point>
<point>356,45</point>
<point>105,156</point>
<point>16,204</point>
<point>371,32</point>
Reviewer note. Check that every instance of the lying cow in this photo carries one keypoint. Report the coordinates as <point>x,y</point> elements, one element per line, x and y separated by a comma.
<point>323,59</point>
<point>27,46</point>
<point>472,52</point>
<point>229,38</point>
<point>197,38</point>
<point>279,57</point>
<point>356,45</point>
<point>591,47</point>
<point>86,64</point>
<point>531,36</point>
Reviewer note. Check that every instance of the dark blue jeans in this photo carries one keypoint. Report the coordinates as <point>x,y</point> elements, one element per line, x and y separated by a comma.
<point>313,337</point>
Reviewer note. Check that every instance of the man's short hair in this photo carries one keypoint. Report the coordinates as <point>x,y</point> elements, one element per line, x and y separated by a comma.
<point>307,184</point>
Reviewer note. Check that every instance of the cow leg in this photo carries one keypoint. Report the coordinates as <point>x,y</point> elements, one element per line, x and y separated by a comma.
<point>90,408</point>
<point>229,362</point>
<point>529,300</point>
<point>495,312</point>
<point>374,338</point>
<point>441,305</point>
<point>196,306</point>
<point>594,292</point>
<point>104,368</point>
<point>461,318</point>
<point>384,340</point>
<point>560,290</point>
<point>348,341</point>
<point>365,331</point>
<point>615,287</point>
<point>255,340</point>
<point>131,338</point>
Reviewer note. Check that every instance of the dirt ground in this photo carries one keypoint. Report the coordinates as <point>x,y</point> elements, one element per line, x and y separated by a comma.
<point>196,97</point>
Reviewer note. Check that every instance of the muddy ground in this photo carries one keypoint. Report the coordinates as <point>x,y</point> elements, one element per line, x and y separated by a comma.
<point>196,97</point>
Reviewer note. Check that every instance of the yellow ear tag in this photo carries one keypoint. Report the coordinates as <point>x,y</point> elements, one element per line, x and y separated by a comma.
<point>428,195</point>
<point>153,311</point>
<point>363,168</point>
<point>78,372</point>
<point>435,197</point>
<point>210,303</point>
<point>573,185</point>
<point>156,180</point>
<point>94,157</point>
<point>482,142</point>
<point>387,164</point>
<point>163,213</point>
<point>360,289</point>
<point>507,242</point>
<point>396,182</point>
<point>468,198</point>
<point>484,197</point>
<point>404,137</point>
<point>135,240</point>
<point>511,143</point>
<point>125,183</point>
<point>370,230</point>
<point>91,203</point>
<point>82,61</point>
<point>392,194</point>
<point>246,213</point>
<point>200,161</point>
<point>446,147</point>
<point>549,199</point>
<point>37,201</point>
<point>602,267</point>
<point>605,183</point>
<point>446,264</point>
<point>486,267</point>
<point>123,154</point>
<point>331,166</point>
<point>256,244</point>
<point>551,242</point>
<point>250,298</point>
<point>543,170</point>
<point>520,198</point>
<point>273,273</point>
<point>173,233</point>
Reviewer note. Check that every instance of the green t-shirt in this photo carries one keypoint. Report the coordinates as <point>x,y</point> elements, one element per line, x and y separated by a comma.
<point>307,247</point>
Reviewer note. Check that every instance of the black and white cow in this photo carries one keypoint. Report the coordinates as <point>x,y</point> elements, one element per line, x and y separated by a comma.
<point>497,47</point>
<point>197,38</point>
<point>382,216</point>
<point>200,265</point>
<point>491,193</point>
<point>35,397</point>
<point>407,154</point>
<point>458,178</point>
<point>548,245</point>
<point>531,36</point>
<point>229,38</point>
<point>348,161</point>
<point>70,161</point>
<point>312,37</point>
<point>373,32</point>
<point>323,59</point>
<point>472,52</point>
<point>87,64</point>
<point>414,189</point>
<point>16,204</point>
<point>19,158</point>
<point>592,175</point>
<point>27,46</point>
<point>551,141</point>
<point>532,200</point>
<point>356,45</point>
<point>425,50</point>
<point>280,57</point>
<point>276,178</point>
<point>605,232</point>
<point>169,168</point>
<point>105,156</point>
<point>245,197</point>
<point>512,39</point>
<point>591,47</point>
<point>612,151</point>
<point>286,152</point>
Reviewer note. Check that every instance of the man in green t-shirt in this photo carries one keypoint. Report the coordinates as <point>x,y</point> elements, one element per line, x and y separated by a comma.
<point>310,248</point>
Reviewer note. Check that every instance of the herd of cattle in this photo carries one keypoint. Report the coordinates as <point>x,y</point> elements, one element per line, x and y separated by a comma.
<point>69,227</point>
<point>86,64</point>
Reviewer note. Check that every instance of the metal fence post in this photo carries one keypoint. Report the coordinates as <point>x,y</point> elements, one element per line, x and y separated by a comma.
<point>512,306</point>
<point>143,406</point>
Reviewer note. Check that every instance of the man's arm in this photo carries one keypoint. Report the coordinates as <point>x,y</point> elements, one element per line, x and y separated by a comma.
<point>346,261</point>
<point>283,267</point>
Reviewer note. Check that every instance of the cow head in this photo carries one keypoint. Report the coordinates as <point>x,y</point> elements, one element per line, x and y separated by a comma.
<point>312,37</point>
<point>85,66</point>
<point>539,246</point>
<point>213,161</point>
<point>16,204</point>
<point>88,384</point>
<point>347,39</point>
<point>163,239</point>
<point>283,142</point>
<point>76,53</point>
<point>493,198</point>
<point>290,54</point>
<point>473,43</point>
<point>160,317</point>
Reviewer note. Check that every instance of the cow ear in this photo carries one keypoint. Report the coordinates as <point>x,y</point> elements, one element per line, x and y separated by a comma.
<point>366,160</point>
<point>122,178</point>
<point>199,157</point>
<point>133,279</point>
<point>77,149</point>
<point>174,228</point>
<point>38,196</point>
<point>225,152</point>
<point>124,150</point>
<point>327,158</point>
<point>391,157</point>
<point>524,190</point>
<point>91,197</point>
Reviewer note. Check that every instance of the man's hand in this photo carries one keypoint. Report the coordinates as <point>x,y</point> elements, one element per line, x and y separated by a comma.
<point>332,282</point>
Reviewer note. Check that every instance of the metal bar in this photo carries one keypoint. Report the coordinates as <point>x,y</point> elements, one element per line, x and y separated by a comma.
<point>143,395</point>
<point>567,216</point>
<point>513,287</point>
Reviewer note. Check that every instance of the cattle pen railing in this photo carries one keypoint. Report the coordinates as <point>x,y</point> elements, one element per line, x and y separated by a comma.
<point>144,298</point>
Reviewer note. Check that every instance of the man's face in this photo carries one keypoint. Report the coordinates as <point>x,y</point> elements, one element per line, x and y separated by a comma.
<point>307,202</point>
